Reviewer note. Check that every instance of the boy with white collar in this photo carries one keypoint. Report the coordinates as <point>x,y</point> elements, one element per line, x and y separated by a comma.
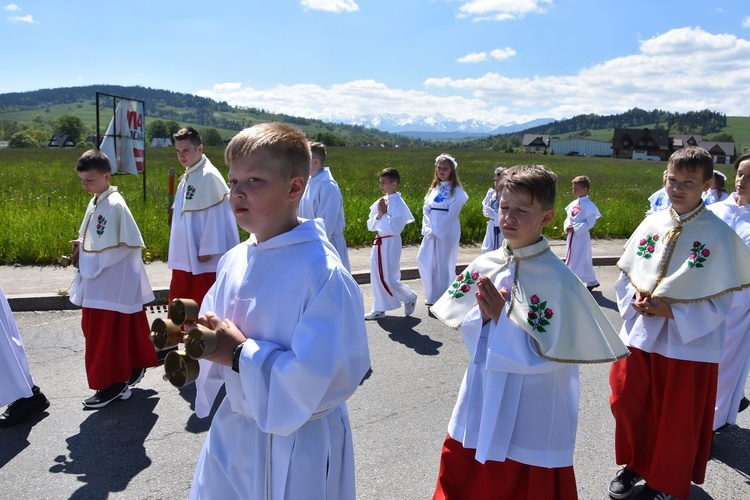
<point>679,269</point>
<point>111,286</point>
<point>203,227</point>
<point>527,322</point>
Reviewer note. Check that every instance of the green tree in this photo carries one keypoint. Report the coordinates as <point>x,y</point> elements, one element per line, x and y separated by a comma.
<point>22,140</point>
<point>156,129</point>
<point>211,137</point>
<point>71,125</point>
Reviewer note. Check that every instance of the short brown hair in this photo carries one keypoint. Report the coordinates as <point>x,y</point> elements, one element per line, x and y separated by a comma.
<point>693,158</point>
<point>391,174</point>
<point>188,134</point>
<point>534,180</point>
<point>582,181</point>
<point>287,143</point>
<point>94,160</point>
<point>318,150</point>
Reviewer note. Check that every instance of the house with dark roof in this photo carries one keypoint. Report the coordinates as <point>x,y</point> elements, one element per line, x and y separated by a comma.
<point>533,143</point>
<point>61,141</point>
<point>721,152</point>
<point>641,143</point>
<point>680,141</point>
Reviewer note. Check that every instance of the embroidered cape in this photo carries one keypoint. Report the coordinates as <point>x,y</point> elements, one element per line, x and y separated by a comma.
<point>204,187</point>
<point>685,259</point>
<point>546,300</point>
<point>108,224</point>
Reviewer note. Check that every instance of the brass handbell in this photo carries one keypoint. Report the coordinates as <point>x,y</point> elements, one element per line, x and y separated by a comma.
<point>180,369</point>
<point>165,333</point>
<point>200,342</point>
<point>183,311</point>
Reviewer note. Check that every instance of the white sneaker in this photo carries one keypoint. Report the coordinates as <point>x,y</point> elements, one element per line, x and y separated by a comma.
<point>374,315</point>
<point>410,306</point>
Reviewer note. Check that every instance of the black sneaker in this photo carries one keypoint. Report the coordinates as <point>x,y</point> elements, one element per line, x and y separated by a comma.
<point>136,377</point>
<point>22,409</point>
<point>100,399</point>
<point>648,493</point>
<point>622,485</point>
<point>744,403</point>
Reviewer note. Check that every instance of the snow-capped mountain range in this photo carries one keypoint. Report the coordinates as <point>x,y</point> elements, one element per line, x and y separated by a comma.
<point>403,123</point>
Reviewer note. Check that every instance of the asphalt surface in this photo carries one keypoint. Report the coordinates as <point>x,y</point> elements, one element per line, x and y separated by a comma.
<point>147,447</point>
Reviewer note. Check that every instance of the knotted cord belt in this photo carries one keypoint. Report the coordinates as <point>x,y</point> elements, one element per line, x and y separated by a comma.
<point>378,242</point>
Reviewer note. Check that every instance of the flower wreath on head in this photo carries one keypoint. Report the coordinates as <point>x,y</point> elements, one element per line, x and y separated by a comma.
<point>448,158</point>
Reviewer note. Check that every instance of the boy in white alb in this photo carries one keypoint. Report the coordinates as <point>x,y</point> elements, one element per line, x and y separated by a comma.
<point>735,358</point>
<point>322,200</point>
<point>679,269</point>
<point>581,217</point>
<point>292,342</point>
<point>24,399</point>
<point>111,286</point>
<point>388,217</point>
<point>203,227</point>
<point>527,322</point>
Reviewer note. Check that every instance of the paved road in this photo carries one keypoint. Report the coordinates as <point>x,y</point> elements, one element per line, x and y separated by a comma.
<point>147,447</point>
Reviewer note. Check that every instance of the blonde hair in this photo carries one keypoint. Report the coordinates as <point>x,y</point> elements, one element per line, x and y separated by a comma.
<point>582,181</point>
<point>287,143</point>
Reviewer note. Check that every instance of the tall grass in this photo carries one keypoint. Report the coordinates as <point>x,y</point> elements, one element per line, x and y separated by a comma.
<point>42,203</point>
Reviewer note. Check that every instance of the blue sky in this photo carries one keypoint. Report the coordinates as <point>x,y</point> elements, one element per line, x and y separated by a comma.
<point>498,61</point>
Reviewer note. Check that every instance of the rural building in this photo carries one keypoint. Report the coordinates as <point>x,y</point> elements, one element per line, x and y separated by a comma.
<point>61,141</point>
<point>161,142</point>
<point>680,141</point>
<point>641,144</point>
<point>580,147</point>
<point>533,143</point>
<point>721,152</point>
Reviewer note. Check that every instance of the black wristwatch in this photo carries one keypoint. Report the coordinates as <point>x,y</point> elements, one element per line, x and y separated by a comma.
<point>236,357</point>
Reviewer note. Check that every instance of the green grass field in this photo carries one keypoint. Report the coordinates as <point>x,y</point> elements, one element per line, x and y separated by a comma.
<point>42,203</point>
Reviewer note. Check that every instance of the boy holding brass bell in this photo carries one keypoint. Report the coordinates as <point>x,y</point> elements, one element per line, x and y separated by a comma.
<point>292,344</point>
<point>111,286</point>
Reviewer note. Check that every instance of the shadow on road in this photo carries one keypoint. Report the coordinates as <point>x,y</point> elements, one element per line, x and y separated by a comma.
<point>108,451</point>
<point>604,302</point>
<point>402,331</point>
<point>16,439</point>
<point>730,448</point>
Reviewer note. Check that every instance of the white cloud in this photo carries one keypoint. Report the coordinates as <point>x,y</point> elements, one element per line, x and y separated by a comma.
<point>676,71</point>
<point>502,54</point>
<point>336,6</point>
<point>746,22</point>
<point>684,69</point>
<point>24,19</point>
<point>501,10</point>
<point>12,7</point>
<point>474,57</point>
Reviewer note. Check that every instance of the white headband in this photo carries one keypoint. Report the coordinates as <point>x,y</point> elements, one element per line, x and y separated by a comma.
<point>447,157</point>
<point>716,172</point>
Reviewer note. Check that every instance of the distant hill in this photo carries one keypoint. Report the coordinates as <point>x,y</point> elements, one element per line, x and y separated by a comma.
<point>709,124</point>
<point>42,106</point>
<point>39,108</point>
